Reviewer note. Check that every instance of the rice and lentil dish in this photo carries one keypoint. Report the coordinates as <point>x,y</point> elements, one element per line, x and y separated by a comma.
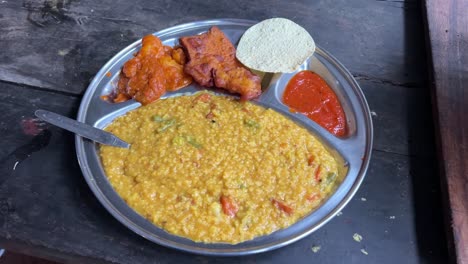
<point>216,170</point>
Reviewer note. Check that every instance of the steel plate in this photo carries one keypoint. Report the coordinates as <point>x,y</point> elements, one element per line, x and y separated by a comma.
<point>352,151</point>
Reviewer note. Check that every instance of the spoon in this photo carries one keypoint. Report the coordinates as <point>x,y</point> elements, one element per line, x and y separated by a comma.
<point>81,129</point>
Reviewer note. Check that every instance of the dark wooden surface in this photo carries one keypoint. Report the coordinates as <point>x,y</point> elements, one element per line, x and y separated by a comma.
<point>51,49</point>
<point>15,258</point>
<point>447,31</point>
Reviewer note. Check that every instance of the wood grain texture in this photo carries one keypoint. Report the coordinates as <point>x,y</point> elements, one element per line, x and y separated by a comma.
<point>11,257</point>
<point>61,44</point>
<point>447,28</point>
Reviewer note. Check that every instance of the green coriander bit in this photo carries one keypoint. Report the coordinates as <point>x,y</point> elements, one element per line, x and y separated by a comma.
<point>178,140</point>
<point>158,118</point>
<point>192,141</point>
<point>251,123</point>
<point>331,176</point>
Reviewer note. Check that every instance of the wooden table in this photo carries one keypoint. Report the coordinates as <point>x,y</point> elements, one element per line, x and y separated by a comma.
<point>51,49</point>
<point>447,31</point>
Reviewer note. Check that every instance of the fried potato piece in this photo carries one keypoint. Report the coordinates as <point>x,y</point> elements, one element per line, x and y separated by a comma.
<point>212,62</point>
<point>154,70</point>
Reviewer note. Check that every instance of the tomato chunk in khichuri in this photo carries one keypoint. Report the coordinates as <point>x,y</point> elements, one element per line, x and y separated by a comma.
<point>309,94</point>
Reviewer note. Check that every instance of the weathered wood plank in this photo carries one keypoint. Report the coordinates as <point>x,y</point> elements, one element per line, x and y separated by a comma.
<point>447,31</point>
<point>50,211</point>
<point>12,257</point>
<point>61,44</point>
<point>401,118</point>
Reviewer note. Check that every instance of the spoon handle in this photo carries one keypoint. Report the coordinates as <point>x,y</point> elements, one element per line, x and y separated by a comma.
<point>81,129</point>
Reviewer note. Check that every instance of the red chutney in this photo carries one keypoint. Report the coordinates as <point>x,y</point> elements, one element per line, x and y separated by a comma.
<point>310,95</point>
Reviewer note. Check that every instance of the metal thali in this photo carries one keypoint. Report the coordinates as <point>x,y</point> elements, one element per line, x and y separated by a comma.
<point>351,151</point>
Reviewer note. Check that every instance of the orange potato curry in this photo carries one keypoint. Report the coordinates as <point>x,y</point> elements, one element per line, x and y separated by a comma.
<point>154,70</point>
